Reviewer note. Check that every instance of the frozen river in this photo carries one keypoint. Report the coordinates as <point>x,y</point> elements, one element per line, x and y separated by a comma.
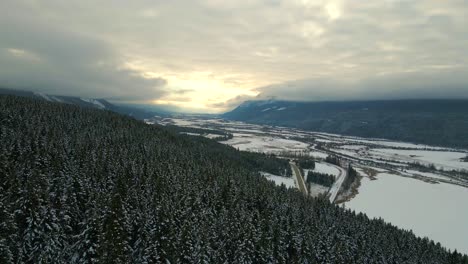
<point>438,211</point>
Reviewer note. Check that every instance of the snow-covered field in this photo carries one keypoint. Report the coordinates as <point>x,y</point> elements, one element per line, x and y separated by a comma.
<point>316,189</point>
<point>369,152</point>
<point>426,174</point>
<point>327,168</point>
<point>279,180</point>
<point>353,147</point>
<point>443,159</point>
<point>318,155</point>
<point>265,144</point>
<point>438,211</point>
<point>392,144</point>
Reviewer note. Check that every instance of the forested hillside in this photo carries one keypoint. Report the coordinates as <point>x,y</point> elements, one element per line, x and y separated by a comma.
<point>433,122</point>
<point>83,102</point>
<point>82,185</point>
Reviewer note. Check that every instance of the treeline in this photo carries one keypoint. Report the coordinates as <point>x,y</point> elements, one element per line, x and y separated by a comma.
<point>89,186</point>
<point>305,163</point>
<point>423,167</point>
<point>250,160</point>
<point>326,180</point>
<point>333,160</point>
<point>223,135</point>
<point>351,177</point>
<point>265,162</point>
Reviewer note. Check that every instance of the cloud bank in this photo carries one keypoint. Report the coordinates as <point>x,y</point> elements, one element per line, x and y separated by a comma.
<point>208,55</point>
<point>412,85</point>
<point>41,56</point>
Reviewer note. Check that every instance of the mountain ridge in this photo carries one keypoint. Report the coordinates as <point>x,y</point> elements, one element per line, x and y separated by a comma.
<point>425,121</point>
<point>98,103</point>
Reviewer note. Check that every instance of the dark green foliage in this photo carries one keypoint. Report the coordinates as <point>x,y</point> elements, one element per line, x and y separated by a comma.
<point>135,112</point>
<point>351,176</point>
<point>306,163</point>
<point>222,134</point>
<point>88,186</point>
<point>320,178</point>
<point>333,160</point>
<point>180,129</point>
<point>423,167</point>
<point>264,162</point>
<point>434,122</point>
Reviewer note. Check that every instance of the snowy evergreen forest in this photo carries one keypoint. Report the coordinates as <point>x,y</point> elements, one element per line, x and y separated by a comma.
<point>83,185</point>
<point>323,179</point>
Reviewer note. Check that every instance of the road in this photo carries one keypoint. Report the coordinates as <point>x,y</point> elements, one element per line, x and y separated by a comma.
<point>299,179</point>
<point>335,189</point>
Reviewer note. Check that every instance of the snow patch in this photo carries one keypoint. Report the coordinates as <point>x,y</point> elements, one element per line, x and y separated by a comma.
<point>94,102</point>
<point>326,168</point>
<point>44,96</point>
<point>279,180</point>
<point>316,189</point>
<point>266,144</point>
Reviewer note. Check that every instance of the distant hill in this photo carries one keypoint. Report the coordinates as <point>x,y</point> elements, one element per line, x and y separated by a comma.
<point>84,102</point>
<point>436,122</point>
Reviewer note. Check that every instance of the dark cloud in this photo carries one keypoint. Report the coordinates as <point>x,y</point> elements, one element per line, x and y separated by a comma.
<point>412,85</point>
<point>211,50</point>
<point>40,56</point>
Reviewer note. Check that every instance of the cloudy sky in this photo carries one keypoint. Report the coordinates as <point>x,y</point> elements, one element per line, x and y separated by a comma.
<point>209,55</point>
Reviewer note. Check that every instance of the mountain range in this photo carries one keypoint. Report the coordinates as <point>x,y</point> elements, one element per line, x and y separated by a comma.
<point>97,103</point>
<point>436,122</point>
<point>440,122</point>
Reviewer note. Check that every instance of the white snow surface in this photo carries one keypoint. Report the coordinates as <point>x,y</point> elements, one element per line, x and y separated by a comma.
<point>427,174</point>
<point>438,211</point>
<point>94,102</point>
<point>331,169</point>
<point>318,154</point>
<point>182,122</point>
<point>387,143</point>
<point>335,189</point>
<point>327,168</point>
<point>266,144</point>
<point>212,136</point>
<point>45,96</point>
<point>56,99</point>
<point>279,180</point>
<point>317,189</point>
<point>353,147</point>
<point>190,134</point>
<point>443,159</point>
<point>324,140</point>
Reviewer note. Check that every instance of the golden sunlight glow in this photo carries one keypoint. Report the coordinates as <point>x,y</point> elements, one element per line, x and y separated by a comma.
<point>200,90</point>
<point>333,10</point>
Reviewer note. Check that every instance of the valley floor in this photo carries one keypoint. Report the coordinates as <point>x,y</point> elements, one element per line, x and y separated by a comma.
<point>417,187</point>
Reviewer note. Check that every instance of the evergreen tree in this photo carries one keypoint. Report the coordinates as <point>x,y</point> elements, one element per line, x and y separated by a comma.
<point>82,185</point>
